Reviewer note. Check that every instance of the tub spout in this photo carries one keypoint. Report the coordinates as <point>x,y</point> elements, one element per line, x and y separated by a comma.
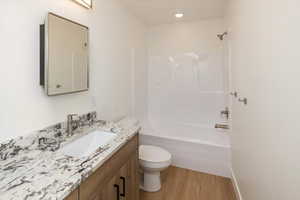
<point>222,126</point>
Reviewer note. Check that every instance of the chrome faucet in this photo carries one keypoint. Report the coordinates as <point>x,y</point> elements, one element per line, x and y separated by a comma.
<point>71,123</point>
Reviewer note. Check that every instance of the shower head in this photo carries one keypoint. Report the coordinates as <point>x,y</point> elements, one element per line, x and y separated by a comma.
<point>221,36</point>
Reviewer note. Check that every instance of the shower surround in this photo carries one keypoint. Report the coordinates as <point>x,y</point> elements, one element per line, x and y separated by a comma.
<point>187,89</point>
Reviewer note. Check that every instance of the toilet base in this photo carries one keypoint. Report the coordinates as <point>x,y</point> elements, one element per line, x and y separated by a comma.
<point>151,182</point>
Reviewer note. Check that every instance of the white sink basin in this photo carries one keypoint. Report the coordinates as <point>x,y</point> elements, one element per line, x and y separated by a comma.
<point>88,144</point>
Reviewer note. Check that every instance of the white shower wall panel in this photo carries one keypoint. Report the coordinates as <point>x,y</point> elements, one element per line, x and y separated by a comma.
<point>187,89</point>
<point>187,73</point>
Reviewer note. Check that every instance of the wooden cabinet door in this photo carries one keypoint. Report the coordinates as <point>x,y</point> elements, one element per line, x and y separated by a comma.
<point>96,196</point>
<point>129,180</point>
<point>117,179</point>
<point>107,191</point>
<point>73,196</point>
<point>111,189</point>
<point>134,180</point>
<point>124,182</point>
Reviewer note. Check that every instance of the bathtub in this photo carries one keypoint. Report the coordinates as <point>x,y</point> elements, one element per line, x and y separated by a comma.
<point>196,147</point>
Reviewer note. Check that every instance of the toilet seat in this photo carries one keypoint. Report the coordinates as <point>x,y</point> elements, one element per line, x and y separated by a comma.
<point>153,154</point>
<point>154,165</point>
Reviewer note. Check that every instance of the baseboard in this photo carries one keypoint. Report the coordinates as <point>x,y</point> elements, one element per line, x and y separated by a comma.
<point>236,186</point>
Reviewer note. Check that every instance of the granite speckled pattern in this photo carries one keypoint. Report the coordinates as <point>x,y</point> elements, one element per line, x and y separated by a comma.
<point>35,170</point>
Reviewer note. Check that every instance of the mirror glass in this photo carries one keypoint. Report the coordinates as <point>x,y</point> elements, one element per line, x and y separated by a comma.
<point>65,56</point>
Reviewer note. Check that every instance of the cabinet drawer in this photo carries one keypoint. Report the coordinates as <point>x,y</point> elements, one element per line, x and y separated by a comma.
<point>92,185</point>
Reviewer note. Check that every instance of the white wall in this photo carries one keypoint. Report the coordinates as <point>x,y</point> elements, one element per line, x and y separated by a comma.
<point>114,35</point>
<point>140,86</point>
<point>187,76</point>
<point>264,37</point>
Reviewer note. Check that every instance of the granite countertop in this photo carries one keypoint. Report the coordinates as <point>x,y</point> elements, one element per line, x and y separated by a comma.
<point>33,171</point>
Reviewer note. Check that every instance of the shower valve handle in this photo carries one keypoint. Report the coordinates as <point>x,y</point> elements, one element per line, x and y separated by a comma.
<point>243,100</point>
<point>225,112</point>
<point>235,94</point>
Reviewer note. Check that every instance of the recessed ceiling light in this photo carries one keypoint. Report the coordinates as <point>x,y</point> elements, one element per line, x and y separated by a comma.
<point>85,3</point>
<point>179,15</point>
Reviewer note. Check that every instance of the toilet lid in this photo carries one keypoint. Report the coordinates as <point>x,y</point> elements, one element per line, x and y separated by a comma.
<point>153,154</point>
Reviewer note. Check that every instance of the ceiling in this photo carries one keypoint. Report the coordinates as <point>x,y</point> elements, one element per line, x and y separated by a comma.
<point>155,12</point>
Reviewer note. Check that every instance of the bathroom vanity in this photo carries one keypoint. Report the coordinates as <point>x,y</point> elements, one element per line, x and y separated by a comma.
<point>116,179</point>
<point>52,164</point>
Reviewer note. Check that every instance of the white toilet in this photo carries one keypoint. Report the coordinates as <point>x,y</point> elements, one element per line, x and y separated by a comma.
<point>152,160</point>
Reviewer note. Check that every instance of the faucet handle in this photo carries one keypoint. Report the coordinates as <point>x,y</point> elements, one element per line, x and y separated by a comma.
<point>71,116</point>
<point>41,140</point>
